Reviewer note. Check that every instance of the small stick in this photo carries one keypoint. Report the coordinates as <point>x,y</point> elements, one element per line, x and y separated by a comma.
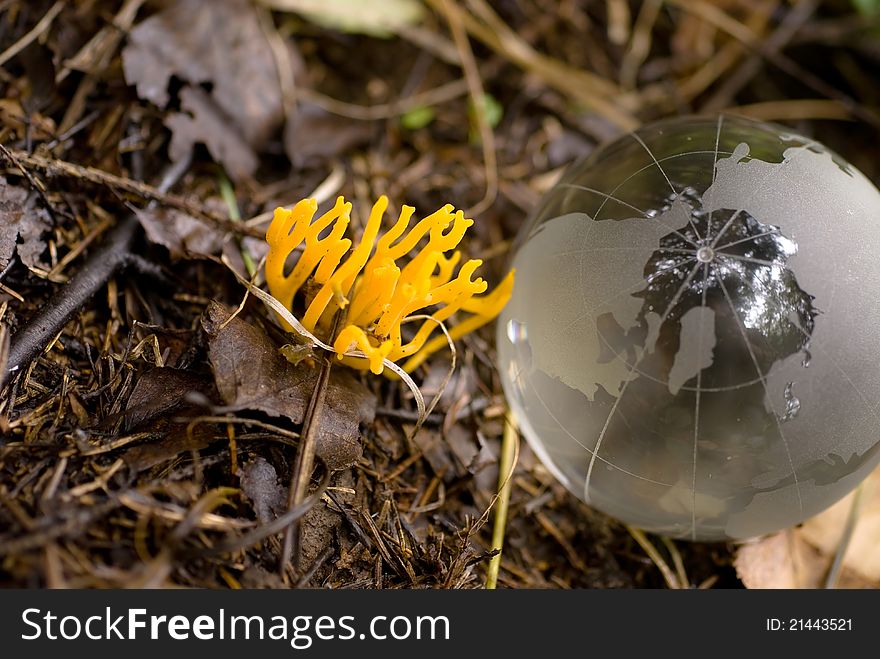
<point>668,575</point>
<point>51,318</point>
<point>851,519</point>
<point>54,167</point>
<point>302,468</point>
<point>305,459</point>
<point>34,34</point>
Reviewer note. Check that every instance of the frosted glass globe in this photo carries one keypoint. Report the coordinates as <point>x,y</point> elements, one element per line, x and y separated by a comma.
<point>693,341</point>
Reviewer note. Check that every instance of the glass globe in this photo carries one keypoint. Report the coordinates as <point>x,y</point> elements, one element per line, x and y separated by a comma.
<point>692,343</point>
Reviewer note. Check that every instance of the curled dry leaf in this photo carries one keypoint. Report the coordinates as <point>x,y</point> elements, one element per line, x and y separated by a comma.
<point>251,374</point>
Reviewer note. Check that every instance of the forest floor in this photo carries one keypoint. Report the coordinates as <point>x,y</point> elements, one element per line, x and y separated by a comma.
<point>144,147</point>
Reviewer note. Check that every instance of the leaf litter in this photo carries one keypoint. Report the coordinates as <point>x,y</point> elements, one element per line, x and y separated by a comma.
<point>108,446</point>
<point>23,224</point>
<point>251,374</point>
<point>224,48</point>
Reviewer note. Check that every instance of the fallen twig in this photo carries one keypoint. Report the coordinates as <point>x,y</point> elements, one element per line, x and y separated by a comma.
<point>302,468</point>
<point>113,255</point>
<point>54,167</point>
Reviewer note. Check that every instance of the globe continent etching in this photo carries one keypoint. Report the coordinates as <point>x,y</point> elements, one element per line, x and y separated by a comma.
<point>690,345</point>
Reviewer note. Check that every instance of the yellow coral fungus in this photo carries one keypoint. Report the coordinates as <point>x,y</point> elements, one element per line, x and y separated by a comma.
<point>371,290</point>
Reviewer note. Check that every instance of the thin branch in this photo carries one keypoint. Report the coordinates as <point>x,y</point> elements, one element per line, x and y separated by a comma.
<point>113,255</point>
<point>63,168</point>
<point>302,468</point>
<point>44,24</point>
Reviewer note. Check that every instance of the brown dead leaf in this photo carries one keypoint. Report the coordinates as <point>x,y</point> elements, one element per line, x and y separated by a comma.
<point>221,44</point>
<point>159,396</point>
<point>182,234</point>
<point>436,452</point>
<point>250,373</point>
<point>259,483</point>
<point>20,218</point>
<point>781,560</point>
<point>161,391</point>
<point>204,122</point>
<point>313,135</point>
<point>268,496</point>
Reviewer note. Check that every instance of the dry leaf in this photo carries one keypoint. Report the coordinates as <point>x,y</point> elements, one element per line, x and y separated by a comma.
<point>825,530</point>
<point>251,373</point>
<point>376,17</point>
<point>801,557</point>
<point>159,396</point>
<point>259,483</point>
<point>436,452</point>
<point>220,44</point>
<point>160,392</point>
<point>781,560</point>
<point>180,233</point>
<point>20,218</point>
<point>313,135</point>
<point>204,122</point>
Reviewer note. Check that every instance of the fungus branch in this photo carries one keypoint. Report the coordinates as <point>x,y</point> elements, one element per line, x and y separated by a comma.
<point>371,287</point>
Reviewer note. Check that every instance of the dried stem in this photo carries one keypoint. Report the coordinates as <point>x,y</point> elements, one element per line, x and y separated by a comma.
<point>305,461</point>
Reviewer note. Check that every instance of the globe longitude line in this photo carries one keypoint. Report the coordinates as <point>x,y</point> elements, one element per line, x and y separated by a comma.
<point>672,303</point>
<point>697,405</point>
<point>714,166</point>
<point>626,289</point>
<point>764,384</point>
<point>748,259</point>
<point>724,228</point>
<point>774,232</point>
<point>675,192</point>
<point>584,446</point>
